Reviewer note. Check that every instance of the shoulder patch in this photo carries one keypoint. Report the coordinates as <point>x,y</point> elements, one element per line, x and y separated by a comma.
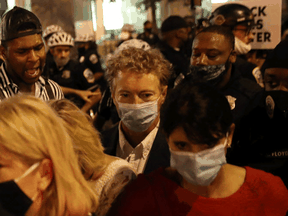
<point>231,101</point>
<point>93,58</point>
<point>258,76</point>
<point>82,58</point>
<point>88,74</point>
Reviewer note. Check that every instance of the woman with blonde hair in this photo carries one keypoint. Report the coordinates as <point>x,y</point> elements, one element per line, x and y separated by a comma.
<point>107,175</point>
<point>39,172</point>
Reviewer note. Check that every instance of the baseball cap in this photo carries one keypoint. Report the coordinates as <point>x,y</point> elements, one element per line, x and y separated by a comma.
<point>13,20</point>
<point>173,23</point>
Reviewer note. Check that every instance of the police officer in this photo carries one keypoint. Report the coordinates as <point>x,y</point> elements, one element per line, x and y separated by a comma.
<point>126,33</point>
<point>240,20</point>
<point>213,61</point>
<point>47,33</point>
<point>174,36</point>
<point>89,60</point>
<point>147,36</point>
<point>262,135</point>
<point>67,72</point>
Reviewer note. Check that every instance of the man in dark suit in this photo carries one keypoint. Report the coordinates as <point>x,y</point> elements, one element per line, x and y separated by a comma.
<point>138,82</point>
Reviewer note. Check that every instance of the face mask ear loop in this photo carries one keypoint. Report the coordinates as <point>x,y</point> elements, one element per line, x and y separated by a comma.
<point>226,141</point>
<point>33,167</point>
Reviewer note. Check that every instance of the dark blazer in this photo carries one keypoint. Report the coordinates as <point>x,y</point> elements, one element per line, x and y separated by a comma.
<point>159,154</point>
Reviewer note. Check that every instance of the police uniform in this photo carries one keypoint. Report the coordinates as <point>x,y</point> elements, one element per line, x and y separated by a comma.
<point>242,94</point>
<point>178,59</point>
<point>70,76</point>
<point>90,64</point>
<point>262,143</point>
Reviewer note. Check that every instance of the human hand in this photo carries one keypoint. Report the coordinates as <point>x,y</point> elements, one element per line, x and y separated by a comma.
<point>88,96</point>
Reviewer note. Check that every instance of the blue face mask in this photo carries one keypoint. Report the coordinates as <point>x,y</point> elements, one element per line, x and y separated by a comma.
<point>138,117</point>
<point>199,168</point>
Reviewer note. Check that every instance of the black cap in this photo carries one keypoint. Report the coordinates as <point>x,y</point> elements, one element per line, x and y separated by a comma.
<point>173,23</point>
<point>14,19</point>
<point>278,58</point>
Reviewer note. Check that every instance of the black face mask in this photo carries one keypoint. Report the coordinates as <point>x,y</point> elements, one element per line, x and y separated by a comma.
<point>276,103</point>
<point>211,74</point>
<point>149,30</point>
<point>81,51</point>
<point>13,201</point>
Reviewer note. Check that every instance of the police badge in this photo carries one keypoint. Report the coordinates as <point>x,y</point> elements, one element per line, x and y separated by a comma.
<point>231,101</point>
<point>88,74</point>
<point>270,105</point>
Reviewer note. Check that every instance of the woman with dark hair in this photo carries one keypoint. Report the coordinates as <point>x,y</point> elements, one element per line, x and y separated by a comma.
<point>198,124</point>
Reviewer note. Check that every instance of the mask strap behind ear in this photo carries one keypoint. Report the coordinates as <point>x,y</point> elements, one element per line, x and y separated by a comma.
<point>31,169</point>
<point>226,140</point>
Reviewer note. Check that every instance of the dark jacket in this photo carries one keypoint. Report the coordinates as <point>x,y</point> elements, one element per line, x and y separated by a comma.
<point>159,154</point>
<point>262,142</point>
<point>178,59</point>
<point>246,92</point>
<point>248,70</point>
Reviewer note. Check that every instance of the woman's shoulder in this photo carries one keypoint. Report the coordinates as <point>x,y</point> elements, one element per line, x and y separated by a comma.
<point>266,185</point>
<point>256,176</point>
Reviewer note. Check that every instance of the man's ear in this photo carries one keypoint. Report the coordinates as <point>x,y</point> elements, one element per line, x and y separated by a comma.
<point>46,174</point>
<point>3,52</point>
<point>164,94</point>
<point>233,57</point>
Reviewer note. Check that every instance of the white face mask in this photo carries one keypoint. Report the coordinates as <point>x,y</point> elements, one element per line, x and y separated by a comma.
<point>61,62</point>
<point>199,168</point>
<point>124,35</point>
<point>138,117</point>
<point>241,48</point>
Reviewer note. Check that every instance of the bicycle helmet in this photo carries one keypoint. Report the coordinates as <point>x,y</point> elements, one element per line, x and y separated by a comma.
<point>60,39</point>
<point>51,29</point>
<point>85,38</point>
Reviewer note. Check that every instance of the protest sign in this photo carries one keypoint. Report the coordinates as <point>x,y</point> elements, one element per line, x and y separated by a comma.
<point>267,15</point>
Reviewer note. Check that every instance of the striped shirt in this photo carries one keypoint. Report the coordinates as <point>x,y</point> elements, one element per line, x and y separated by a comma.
<point>45,89</point>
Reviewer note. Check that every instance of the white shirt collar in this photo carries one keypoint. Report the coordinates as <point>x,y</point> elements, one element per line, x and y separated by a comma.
<point>146,144</point>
